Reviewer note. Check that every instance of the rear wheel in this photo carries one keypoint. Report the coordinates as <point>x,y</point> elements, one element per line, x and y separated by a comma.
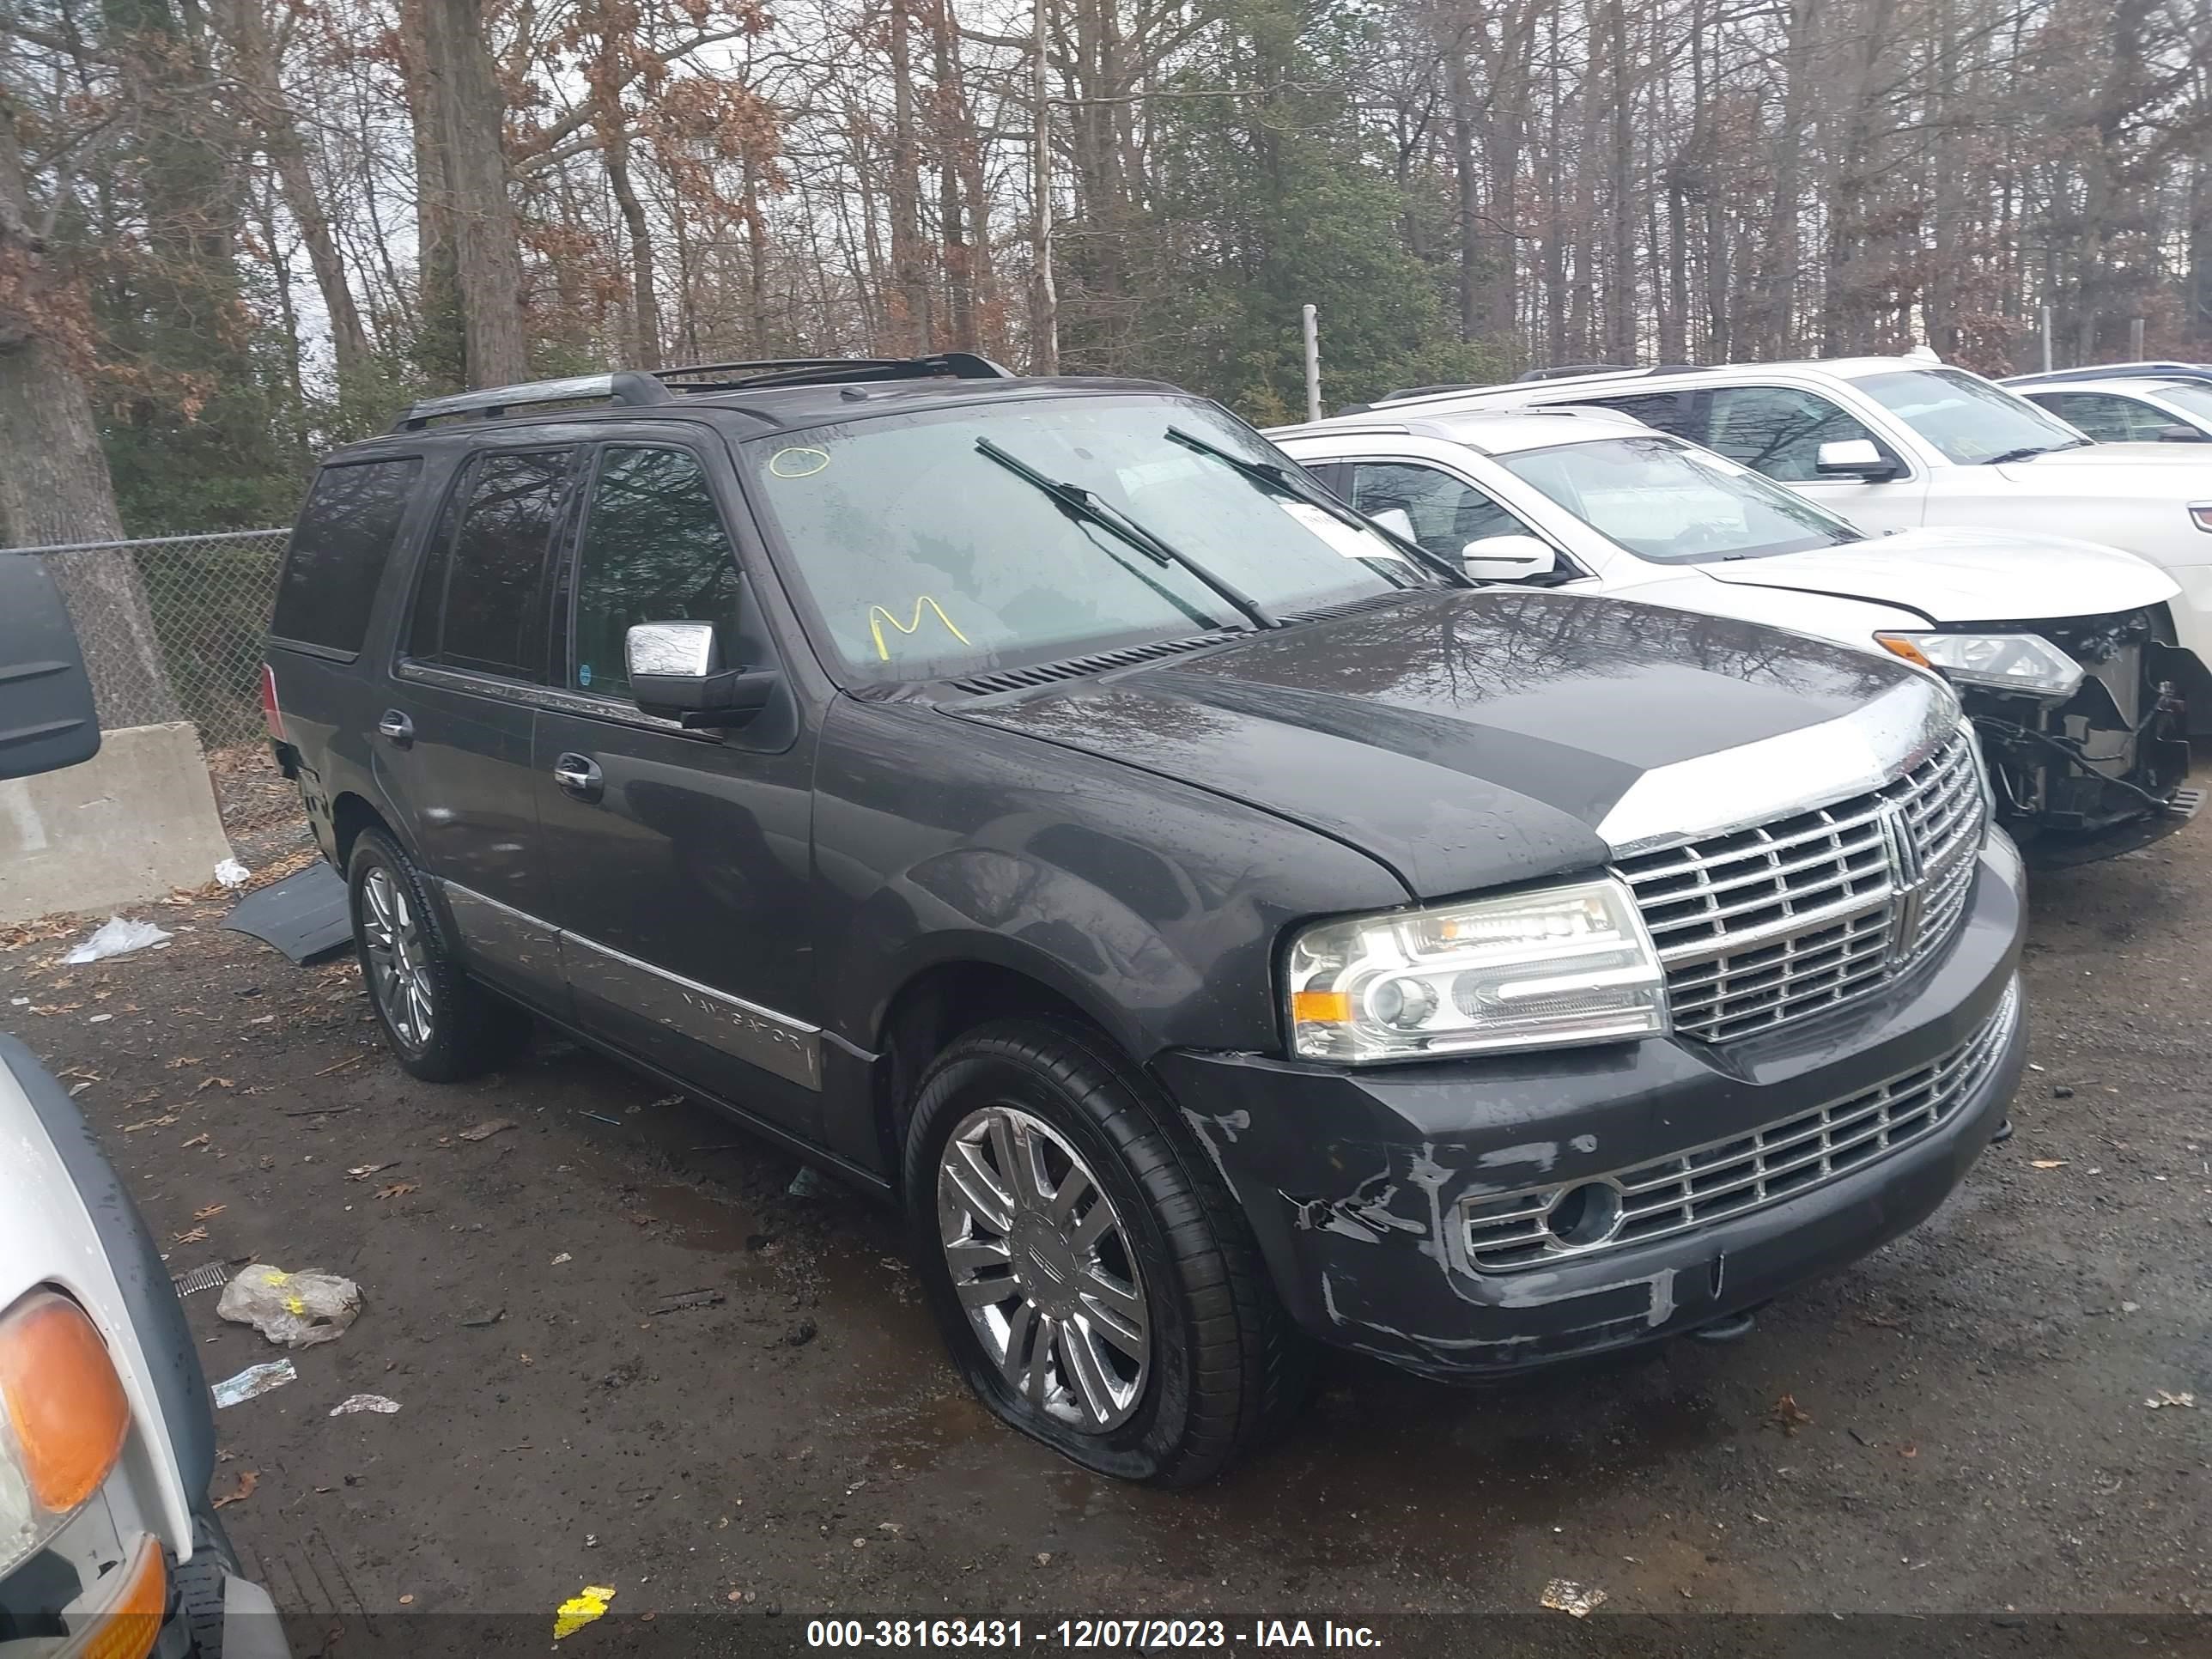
<point>1098,1288</point>
<point>441,1024</point>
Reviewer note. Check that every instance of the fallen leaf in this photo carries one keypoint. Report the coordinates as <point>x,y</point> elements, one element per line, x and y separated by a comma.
<point>406,1601</point>
<point>196,1236</point>
<point>207,1083</point>
<point>181,1061</point>
<point>161,1122</point>
<point>488,1129</point>
<point>247,1480</point>
<point>362,1171</point>
<point>2158,1401</point>
<point>397,1189</point>
<point>2047,1163</point>
<point>210,1213</point>
<point>1787,1415</point>
<point>197,1141</point>
<point>1908,1451</point>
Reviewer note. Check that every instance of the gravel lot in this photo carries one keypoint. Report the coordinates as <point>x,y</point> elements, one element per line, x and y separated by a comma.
<point>627,1356</point>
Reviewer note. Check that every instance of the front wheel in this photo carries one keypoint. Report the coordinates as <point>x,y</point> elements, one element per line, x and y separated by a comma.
<point>1098,1288</point>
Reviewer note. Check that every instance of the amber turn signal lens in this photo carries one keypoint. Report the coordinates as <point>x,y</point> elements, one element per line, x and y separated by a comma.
<point>66,1406</point>
<point>1904,649</point>
<point>129,1625</point>
<point>1326,1006</point>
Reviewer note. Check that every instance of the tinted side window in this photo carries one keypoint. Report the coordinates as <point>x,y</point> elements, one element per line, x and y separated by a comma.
<point>338,551</point>
<point>2107,419</point>
<point>1446,513</point>
<point>1776,430</point>
<point>653,550</point>
<point>1662,411</point>
<point>480,606</point>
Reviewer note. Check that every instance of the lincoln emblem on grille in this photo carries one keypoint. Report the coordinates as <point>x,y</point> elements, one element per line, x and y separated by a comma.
<point>1906,875</point>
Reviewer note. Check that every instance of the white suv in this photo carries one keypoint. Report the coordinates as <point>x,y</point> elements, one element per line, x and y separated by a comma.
<point>1894,443</point>
<point>2054,646</point>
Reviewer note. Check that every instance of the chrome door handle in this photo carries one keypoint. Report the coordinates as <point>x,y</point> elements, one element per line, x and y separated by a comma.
<point>397,726</point>
<point>579,776</point>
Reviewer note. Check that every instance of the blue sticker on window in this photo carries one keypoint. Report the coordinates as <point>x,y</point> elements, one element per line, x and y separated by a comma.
<point>583,673</point>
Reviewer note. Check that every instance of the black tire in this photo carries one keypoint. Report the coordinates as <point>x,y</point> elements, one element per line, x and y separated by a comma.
<point>1227,1369</point>
<point>467,1030</point>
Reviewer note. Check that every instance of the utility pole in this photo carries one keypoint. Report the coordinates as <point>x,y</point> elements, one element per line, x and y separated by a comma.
<point>1309,321</point>
<point>1044,297</point>
<point>2045,313</point>
<point>2135,339</point>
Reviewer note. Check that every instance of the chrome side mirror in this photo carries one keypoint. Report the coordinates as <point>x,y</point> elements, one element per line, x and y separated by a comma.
<point>676,671</point>
<point>1854,458</point>
<point>671,650</point>
<point>1508,558</point>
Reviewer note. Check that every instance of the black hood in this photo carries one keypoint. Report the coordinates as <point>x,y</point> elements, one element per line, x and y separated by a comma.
<point>1465,739</point>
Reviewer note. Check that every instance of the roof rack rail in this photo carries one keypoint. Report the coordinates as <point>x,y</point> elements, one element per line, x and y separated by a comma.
<point>631,388</point>
<point>801,370</point>
<point>625,388</point>
<point>1566,371</point>
<point>2142,371</point>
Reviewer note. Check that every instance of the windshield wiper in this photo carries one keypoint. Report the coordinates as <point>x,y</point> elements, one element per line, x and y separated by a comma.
<point>2029,451</point>
<point>1293,482</point>
<point>1080,503</point>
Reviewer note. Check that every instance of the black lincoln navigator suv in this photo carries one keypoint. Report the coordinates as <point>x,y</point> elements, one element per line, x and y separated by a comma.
<point>1215,922</point>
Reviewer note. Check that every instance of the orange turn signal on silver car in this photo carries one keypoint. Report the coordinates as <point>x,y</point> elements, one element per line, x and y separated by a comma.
<point>64,1418</point>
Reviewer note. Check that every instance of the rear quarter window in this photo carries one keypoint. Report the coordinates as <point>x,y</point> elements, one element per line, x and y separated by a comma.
<point>339,548</point>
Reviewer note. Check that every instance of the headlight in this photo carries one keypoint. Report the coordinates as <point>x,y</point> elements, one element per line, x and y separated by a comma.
<point>63,1419</point>
<point>1544,969</point>
<point>2011,662</point>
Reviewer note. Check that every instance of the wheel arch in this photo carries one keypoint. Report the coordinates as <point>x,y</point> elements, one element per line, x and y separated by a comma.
<point>965,985</point>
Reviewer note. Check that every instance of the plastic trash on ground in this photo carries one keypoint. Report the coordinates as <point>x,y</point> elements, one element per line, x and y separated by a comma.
<point>231,874</point>
<point>253,1380</point>
<point>364,1402</point>
<point>1579,1601</point>
<point>116,937</point>
<point>578,1610</point>
<point>296,1310</point>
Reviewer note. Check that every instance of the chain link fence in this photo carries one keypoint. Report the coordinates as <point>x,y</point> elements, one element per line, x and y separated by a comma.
<point>173,627</point>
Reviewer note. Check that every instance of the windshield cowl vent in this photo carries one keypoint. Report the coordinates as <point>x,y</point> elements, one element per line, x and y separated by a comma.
<point>1043,673</point>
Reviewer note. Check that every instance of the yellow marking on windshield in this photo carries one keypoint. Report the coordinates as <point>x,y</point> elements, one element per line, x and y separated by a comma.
<point>878,616</point>
<point>801,463</point>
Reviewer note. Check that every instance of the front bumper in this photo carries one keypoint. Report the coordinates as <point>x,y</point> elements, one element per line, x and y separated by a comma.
<point>106,1585</point>
<point>1354,1181</point>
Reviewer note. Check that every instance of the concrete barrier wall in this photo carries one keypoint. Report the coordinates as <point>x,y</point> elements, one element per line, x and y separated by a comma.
<point>133,822</point>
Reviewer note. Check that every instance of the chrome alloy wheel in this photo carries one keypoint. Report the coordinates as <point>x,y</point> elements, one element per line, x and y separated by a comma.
<point>1043,1268</point>
<point>398,973</point>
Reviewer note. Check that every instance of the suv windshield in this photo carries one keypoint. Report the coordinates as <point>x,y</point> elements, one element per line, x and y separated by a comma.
<point>927,558</point>
<point>1662,499</point>
<point>1972,422</point>
<point>2195,396</point>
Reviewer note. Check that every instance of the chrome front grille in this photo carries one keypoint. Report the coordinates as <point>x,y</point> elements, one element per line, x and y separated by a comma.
<point>1725,1178</point>
<point>1762,926</point>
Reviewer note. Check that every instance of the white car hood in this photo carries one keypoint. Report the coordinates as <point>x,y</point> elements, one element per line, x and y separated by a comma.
<point>2101,461</point>
<point>1965,576</point>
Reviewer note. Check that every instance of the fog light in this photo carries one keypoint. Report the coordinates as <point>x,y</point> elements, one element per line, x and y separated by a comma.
<point>1585,1215</point>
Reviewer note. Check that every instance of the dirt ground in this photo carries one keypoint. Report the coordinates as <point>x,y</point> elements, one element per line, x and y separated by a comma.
<point>627,1356</point>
